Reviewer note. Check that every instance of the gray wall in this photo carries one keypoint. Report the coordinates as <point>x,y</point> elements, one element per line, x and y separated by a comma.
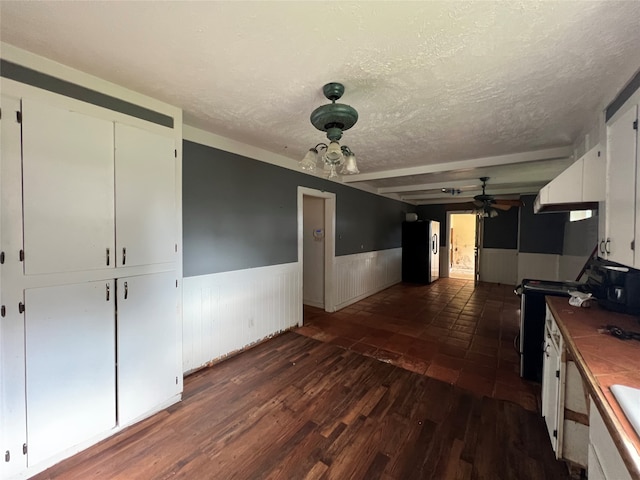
<point>242,213</point>
<point>499,232</point>
<point>580,238</point>
<point>543,232</point>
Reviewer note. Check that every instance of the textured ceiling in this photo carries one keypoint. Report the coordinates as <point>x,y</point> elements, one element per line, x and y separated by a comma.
<point>433,82</point>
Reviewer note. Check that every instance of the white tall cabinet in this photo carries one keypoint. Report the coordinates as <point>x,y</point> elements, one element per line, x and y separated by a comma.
<point>623,189</point>
<point>90,331</point>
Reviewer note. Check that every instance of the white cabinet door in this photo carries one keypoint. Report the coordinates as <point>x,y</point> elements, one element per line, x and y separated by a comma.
<point>551,389</point>
<point>621,161</point>
<point>13,422</point>
<point>67,189</point>
<point>148,344</point>
<point>70,364</point>
<point>145,197</point>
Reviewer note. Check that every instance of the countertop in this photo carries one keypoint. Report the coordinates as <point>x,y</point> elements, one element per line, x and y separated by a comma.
<point>604,360</point>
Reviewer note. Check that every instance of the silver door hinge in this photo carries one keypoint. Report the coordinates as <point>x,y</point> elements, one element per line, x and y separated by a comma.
<point>555,433</point>
<point>635,124</point>
<point>19,116</point>
<point>557,373</point>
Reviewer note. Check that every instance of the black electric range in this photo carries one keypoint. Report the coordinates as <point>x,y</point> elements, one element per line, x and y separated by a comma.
<point>530,340</point>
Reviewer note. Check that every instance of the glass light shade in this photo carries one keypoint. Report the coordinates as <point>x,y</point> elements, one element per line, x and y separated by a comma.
<point>493,213</point>
<point>332,171</point>
<point>308,163</point>
<point>333,155</point>
<point>350,166</point>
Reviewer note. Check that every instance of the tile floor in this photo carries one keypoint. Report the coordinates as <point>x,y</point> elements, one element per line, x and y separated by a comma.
<point>447,330</point>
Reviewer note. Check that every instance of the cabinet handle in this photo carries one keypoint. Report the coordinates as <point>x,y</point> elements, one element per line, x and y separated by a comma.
<point>124,256</point>
<point>126,290</point>
<point>107,285</point>
<point>546,350</point>
<point>108,257</point>
<point>602,247</point>
<point>606,246</point>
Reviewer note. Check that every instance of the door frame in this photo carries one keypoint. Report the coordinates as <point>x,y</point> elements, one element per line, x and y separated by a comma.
<point>476,262</point>
<point>329,243</point>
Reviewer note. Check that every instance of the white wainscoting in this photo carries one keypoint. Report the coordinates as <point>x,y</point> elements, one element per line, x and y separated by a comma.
<point>226,312</point>
<point>362,274</point>
<point>539,266</point>
<point>499,265</point>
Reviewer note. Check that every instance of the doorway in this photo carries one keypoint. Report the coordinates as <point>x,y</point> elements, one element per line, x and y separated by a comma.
<point>462,235</point>
<point>316,247</point>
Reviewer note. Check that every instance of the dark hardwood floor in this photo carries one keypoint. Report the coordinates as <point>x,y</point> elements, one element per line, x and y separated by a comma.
<point>298,408</point>
<point>450,330</point>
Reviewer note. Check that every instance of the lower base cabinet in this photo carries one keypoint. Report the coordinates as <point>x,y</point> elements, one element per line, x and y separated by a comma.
<point>70,366</point>
<point>605,462</point>
<point>99,355</point>
<point>148,344</point>
<point>564,407</point>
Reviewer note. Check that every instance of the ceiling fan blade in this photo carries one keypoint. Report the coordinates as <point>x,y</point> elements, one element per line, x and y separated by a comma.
<point>511,203</point>
<point>501,206</point>
<point>478,203</point>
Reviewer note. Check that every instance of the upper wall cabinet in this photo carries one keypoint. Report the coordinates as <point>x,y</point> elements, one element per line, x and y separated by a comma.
<point>578,187</point>
<point>74,217</point>
<point>67,190</point>
<point>145,197</point>
<point>622,175</point>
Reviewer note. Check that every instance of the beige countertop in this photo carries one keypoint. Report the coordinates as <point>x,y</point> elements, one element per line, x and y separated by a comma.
<point>604,360</point>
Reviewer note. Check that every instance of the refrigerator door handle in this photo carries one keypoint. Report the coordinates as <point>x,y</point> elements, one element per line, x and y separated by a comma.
<point>434,243</point>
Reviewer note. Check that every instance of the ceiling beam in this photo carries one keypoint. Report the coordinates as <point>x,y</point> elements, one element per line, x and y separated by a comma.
<point>534,156</point>
<point>510,179</point>
<point>469,194</point>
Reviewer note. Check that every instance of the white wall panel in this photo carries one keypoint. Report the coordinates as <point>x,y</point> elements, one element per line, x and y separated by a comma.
<point>538,266</point>
<point>225,312</point>
<point>362,274</point>
<point>498,265</point>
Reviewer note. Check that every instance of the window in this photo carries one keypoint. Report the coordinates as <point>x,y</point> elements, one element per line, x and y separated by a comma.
<point>576,215</point>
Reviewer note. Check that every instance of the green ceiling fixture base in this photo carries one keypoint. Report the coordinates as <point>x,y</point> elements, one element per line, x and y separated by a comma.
<point>334,118</point>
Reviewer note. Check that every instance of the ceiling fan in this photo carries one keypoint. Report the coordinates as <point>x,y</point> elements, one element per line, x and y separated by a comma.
<point>488,205</point>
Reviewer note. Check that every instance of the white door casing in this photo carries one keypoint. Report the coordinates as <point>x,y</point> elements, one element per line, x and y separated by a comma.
<point>329,242</point>
<point>313,251</point>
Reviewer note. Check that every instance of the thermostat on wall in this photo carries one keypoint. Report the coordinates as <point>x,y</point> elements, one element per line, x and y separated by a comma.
<point>318,233</point>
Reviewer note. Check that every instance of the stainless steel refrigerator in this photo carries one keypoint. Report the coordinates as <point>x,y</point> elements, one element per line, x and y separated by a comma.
<point>420,251</point>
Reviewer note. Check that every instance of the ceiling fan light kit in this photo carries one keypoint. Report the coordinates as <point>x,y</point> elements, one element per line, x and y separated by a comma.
<point>333,118</point>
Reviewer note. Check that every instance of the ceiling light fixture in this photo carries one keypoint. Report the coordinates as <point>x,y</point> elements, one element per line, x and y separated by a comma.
<point>333,118</point>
